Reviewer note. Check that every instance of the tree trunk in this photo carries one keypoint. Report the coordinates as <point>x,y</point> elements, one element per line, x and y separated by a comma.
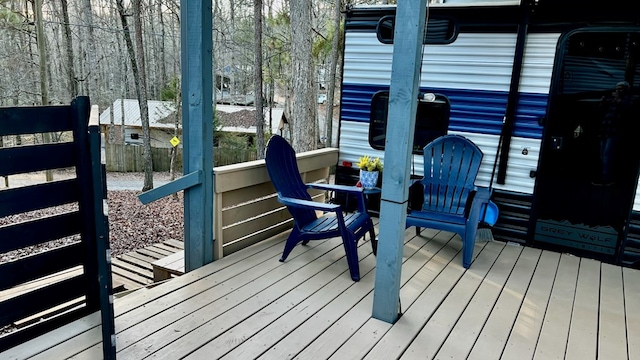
<point>257,89</point>
<point>332,77</point>
<point>163,64</point>
<point>42,55</point>
<point>73,85</point>
<point>148,168</point>
<point>92,68</point>
<point>142,97</point>
<point>304,107</point>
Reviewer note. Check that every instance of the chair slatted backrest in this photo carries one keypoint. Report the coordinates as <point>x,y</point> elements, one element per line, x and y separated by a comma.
<point>451,164</point>
<point>68,211</point>
<point>285,176</point>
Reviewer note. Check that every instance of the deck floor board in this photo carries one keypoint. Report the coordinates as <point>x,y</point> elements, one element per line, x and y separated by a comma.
<point>632,307</point>
<point>583,333</point>
<point>416,289</point>
<point>612,335</point>
<point>460,341</point>
<point>552,342</point>
<point>432,335</point>
<point>526,329</point>
<point>495,333</point>
<point>512,303</point>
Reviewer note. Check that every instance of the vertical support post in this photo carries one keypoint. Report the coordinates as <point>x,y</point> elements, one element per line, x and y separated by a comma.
<point>101,224</point>
<point>403,95</point>
<point>197,121</point>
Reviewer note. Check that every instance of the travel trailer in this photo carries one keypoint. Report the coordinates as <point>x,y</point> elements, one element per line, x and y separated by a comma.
<point>538,86</point>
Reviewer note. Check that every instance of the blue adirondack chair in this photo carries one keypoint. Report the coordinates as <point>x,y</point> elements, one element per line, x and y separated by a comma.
<point>292,192</point>
<point>451,200</point>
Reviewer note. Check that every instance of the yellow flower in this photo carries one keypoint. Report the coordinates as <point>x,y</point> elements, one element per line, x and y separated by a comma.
<point>369,164</point>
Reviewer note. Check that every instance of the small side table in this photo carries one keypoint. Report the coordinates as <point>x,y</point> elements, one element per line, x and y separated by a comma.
<point>369,192</point>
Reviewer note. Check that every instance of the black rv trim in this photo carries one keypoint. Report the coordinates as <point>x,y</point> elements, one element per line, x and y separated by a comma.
<point>509,122</point>
<point>439,30</point>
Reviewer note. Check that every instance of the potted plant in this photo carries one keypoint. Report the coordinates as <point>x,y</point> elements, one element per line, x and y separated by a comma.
<point>370,169</point>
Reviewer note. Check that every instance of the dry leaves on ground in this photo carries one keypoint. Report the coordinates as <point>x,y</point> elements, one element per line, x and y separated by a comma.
<point>132,225</point>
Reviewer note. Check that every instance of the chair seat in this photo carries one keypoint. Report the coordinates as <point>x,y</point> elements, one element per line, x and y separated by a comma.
<point>329,223</point>
<point>416,216</point>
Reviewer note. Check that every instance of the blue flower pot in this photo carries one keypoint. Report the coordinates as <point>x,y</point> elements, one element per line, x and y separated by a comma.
<point>368,179</point>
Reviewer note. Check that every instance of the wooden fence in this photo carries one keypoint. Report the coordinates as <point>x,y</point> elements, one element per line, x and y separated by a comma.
<point>73,280</point>
<point>129,158</point>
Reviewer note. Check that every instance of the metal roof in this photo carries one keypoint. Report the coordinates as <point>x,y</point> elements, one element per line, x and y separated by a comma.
<point>159,111</point>
<point>161,115</point>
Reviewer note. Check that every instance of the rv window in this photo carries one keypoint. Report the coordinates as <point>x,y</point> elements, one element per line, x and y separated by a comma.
<point>438,31</point>
<point>432,119</point>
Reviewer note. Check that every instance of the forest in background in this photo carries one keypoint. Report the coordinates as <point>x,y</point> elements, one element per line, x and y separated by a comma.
<point>52,51</point>
<point>86,52</point>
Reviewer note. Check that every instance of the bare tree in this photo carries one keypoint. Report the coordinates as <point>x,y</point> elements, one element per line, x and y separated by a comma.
<point>142,97</point>
<point>257,79</point>
<point>334,65</point>
<point>68,39</point>
<point>91,51</point>
<point>42,57</point>
<point>304,107</point>
<point>138,77</point>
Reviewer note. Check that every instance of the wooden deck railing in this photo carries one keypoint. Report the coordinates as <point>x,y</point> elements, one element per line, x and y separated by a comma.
<point>246,206</point>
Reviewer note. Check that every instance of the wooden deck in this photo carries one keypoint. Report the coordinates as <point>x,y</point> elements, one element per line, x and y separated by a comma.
<point>134,269</point>
<point>513,303</point>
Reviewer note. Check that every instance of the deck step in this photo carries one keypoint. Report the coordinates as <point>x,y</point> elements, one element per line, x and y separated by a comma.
<point>134,269</point>
<point>168,266</point>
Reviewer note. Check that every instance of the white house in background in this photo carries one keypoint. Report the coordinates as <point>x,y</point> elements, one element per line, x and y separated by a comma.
<point>162,121</point>
<point>127,111</point>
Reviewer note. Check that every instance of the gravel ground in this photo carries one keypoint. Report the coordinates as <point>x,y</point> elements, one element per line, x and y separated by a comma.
<point>132,225</point>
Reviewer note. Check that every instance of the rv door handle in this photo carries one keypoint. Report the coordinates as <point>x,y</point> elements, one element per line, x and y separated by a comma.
<point>556,142</point>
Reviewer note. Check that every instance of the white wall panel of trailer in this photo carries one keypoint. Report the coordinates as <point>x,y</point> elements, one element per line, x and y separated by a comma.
<point>475,73</point>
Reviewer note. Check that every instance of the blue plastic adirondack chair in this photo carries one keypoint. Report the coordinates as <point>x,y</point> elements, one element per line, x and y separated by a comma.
<point>451,200</point>
<point>292,192</point>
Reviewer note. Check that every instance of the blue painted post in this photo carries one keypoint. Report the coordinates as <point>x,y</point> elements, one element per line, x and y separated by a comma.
<point>403,95</point>
<point>197,122</point>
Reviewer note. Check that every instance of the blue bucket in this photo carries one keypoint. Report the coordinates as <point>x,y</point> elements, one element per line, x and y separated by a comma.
<point>491,215</point>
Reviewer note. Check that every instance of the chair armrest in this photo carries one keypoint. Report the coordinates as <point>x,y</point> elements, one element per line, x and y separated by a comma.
<point>482,194</point>
<point>307,204</point>
<point>334,187</point>
<point>352,190</point>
